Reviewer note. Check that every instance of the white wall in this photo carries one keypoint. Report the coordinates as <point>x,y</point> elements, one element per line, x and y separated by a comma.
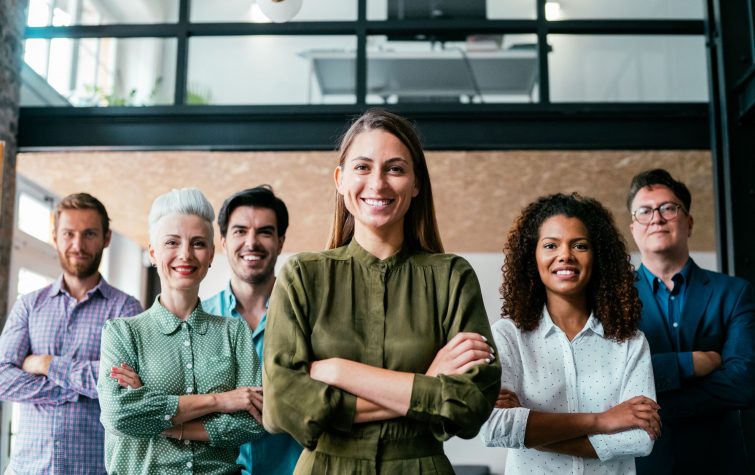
<point>123,266</point>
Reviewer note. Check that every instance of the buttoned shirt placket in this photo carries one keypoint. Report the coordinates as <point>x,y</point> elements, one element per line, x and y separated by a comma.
<point>187,361</point>
<point>570,377</point>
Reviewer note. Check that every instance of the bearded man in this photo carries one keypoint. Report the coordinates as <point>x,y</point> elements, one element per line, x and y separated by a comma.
<point>50,349</point>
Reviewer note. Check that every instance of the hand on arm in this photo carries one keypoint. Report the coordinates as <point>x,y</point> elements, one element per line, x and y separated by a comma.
<point>194,406</point>
<point>705,362</point>
<point>462,353</point>
<point>545,429</point>
<point>37,364</point>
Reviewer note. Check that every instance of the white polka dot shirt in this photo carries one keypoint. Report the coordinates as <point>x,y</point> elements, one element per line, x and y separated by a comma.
<point>549,373</point>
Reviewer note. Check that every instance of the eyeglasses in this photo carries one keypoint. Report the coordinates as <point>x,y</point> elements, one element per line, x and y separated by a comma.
<point>668,211</point>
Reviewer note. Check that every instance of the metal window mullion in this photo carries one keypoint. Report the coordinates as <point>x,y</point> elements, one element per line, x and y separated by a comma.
<point>361,54</point>
<point>182,52</point>
<point>542,54</point>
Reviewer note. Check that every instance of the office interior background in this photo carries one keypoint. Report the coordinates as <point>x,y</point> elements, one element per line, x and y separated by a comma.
<point>515,99</point>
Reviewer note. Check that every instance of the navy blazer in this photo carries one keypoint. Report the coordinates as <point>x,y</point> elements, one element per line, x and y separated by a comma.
<point>701,431</point>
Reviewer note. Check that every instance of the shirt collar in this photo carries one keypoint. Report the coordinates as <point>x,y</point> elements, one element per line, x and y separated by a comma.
<point>358,252</point>
<point>547,327</point>
<point>680,279</point>
<point>169,322</point>
<point>103,288</point>
<point>230,297</point>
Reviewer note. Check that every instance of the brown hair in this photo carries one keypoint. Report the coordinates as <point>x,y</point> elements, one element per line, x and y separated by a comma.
<point>82,201</point>
<point>659,177</point>
<point>612,296</point>
<point>420,226</point>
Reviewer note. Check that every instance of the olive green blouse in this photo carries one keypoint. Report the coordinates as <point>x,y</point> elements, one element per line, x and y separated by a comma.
<point>394,313</point>
<point>203,354</point>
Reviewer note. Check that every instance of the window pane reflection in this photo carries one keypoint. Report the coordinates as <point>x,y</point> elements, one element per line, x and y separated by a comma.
<point>270,70</point>
<point>481,69</point>
<point>100,12</point>
<point>591,68</point>
<point>98,72</point>
<point>623,9</point>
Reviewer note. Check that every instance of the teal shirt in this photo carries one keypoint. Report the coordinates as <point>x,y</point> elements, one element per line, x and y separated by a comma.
<point>204,354</point>
<point>273,454</point>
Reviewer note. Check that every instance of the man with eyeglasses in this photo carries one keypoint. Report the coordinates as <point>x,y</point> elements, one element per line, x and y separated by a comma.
<point>701,329</point>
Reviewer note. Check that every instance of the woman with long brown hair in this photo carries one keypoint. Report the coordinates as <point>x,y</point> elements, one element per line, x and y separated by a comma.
<point>577,392</point>
<point>377,348</point>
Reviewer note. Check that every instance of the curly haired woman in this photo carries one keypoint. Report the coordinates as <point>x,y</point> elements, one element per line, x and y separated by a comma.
<point>577,392</point>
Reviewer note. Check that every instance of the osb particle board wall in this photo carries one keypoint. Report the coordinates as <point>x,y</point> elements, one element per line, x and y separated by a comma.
<point>477,194</point>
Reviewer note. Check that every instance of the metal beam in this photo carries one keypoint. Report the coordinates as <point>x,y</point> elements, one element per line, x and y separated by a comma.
<point>476,127</point>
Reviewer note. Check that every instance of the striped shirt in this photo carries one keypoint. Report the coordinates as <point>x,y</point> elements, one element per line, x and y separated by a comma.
<point>59,429</point>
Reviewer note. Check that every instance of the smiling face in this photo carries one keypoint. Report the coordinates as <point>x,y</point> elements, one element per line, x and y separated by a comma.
<point>182,251</point>
<point>252,244</point>
<point>564,256</point>
<point>377,182</point>
<point>661,236</point>
<point>80,240</point>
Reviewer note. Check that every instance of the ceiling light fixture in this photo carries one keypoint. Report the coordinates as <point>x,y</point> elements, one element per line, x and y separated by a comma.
<point>280,11</point>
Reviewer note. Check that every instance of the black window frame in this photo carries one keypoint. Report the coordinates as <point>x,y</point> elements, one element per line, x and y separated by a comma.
<point>537,125</point>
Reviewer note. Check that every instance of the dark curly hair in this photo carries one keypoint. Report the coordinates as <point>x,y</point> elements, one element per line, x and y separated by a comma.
<point>612,296</point>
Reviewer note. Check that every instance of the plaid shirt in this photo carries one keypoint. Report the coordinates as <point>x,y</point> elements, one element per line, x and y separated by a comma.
<point>59,431</point>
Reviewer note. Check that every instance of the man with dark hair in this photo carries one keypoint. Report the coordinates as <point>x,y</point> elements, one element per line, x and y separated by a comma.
<point>253,227</point>
<point>701,329</point>
<point>50,349</point>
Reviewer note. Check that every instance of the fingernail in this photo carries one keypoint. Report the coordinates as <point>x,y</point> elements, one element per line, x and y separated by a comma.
<point>492,350</point>
<point>487,360</point>
<point>483,338</point>
<point>492,356</point>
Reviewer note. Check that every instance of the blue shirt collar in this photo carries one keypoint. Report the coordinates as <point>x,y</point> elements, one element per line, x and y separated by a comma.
<point>680,279</point>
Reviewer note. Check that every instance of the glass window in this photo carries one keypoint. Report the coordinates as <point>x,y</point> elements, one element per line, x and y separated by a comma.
<point>98,72</point>
<point>603,68</point>
<point>100,12</point>
<point>34,217</point>
<point>477,69</point>
<point>271,70</point>
<point>450,9</point>
<point>623,9</point>
<point>29,281</point>
<point>249,11</point>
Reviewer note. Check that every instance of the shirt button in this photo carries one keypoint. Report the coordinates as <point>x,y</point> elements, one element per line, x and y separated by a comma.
<point>673,297</point>
<point>167,418</point>
<point>188,464</point>
<point>187,343</point>
<point>188,365</point>
<point>189,389</point>
<point>187,442</point>
<point>676,324</point>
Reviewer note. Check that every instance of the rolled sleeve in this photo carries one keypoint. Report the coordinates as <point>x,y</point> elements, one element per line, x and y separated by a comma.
<point>506,428</point>
<point>631,443</point>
